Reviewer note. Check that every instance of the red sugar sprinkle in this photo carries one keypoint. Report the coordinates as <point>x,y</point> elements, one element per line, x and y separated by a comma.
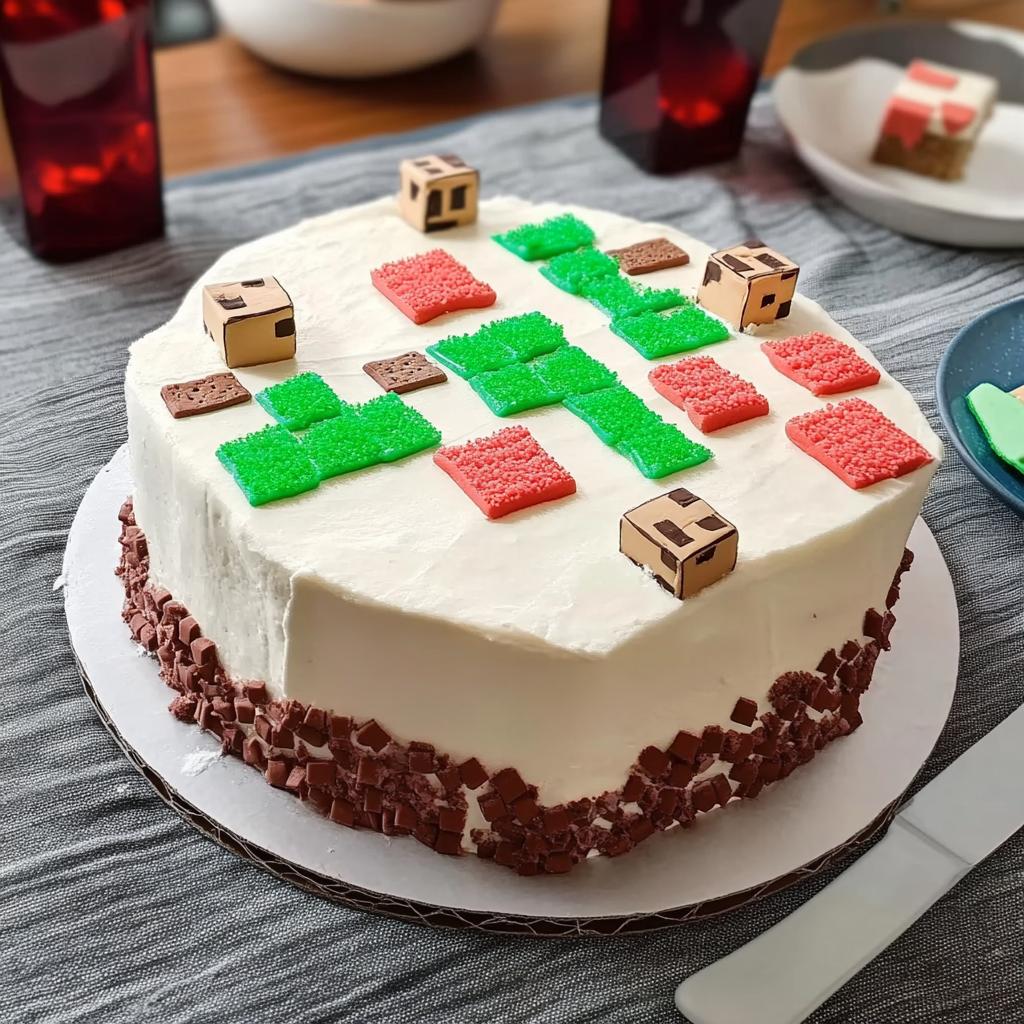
<point>709,394</point>
<point>505,472</point>
<point>907,120</point>
<point>820,363</point>
<point>919,71</point>
<point>424,287</point>
<point>857,442</point>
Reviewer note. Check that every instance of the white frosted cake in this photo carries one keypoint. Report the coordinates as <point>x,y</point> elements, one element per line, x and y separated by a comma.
<point>515,687</point>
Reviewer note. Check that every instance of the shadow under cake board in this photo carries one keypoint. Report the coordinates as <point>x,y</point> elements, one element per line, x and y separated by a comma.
<point>747,850</point>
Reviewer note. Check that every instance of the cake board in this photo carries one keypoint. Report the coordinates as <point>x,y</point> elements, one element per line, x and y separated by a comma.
<point>818,815</point>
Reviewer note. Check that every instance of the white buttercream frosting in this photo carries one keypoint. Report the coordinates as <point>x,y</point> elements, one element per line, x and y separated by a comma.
<point>527,641</point>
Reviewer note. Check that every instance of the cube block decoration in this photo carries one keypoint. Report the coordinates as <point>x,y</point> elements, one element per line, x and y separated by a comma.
<point>748,284</point>
<point>252,321</point>
<point>438,192</point>
<point>681,539</point>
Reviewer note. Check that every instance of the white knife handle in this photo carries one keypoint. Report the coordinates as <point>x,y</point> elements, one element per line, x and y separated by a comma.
<point>787,972</point>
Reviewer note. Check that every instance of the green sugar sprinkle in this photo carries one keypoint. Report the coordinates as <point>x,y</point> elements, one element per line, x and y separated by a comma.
<point>550,238</point>
<point>612,413</point>
<point>300,401</point>
<point>514,388</point>
<point>399,428</point>
<point>615,296</point>
<point>655,336</point>
<point>342,444</point>
<point>661,448</point>
<point>497,344</point>
<point>1001,418</point>
<point>570,371</point>
<point>269,464</point>
<point>570,270</point>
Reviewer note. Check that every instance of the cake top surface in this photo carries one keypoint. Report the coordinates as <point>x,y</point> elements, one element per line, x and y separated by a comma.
<point>941,100</point>
<point>403,534</point>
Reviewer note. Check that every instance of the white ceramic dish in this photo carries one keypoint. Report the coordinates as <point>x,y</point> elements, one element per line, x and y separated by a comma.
<point>357,38</point>
<point>831,100</point>
<point>747,850</point>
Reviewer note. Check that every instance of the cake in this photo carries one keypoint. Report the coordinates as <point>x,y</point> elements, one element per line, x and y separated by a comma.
<point>933,119</point>
<point>522,605</point>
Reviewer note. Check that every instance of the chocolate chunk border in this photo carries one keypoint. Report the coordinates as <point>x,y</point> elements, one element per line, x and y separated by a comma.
<point>358,775</point>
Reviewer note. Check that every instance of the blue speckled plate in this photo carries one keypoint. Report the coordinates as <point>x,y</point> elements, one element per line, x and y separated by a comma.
<point>991,349</point>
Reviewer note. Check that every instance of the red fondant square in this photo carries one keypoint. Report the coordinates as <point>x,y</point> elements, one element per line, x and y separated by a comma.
<point>857,442</point>
<point>424,287</point>
<point>820,363</point>
<point>708,393</point>
<point>505,472</point>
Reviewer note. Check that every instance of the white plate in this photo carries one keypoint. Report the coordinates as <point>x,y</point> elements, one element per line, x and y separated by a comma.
<point>831,100</point>
<point>742,850</point>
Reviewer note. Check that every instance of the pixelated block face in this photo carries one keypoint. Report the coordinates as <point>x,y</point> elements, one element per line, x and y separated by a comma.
<point>252,321</point>
<point>723,291</point>
<point>681,539</point>
<point>438,192</point>
<point>770,297</point>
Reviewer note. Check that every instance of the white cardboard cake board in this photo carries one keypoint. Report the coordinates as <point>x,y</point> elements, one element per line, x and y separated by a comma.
<point>733,855</point>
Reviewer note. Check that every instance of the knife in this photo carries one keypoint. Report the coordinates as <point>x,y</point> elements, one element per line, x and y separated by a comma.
<point>952,824</point>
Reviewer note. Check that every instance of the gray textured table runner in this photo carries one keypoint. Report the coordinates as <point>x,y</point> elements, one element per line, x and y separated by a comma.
<point>113,909</point>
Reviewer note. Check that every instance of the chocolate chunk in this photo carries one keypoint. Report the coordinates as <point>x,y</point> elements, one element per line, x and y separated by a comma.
<point>680,776</point>
<point>873,624</point>
<point>277,772</point>
<point>450,779</point>
<point>829,663</point>
<point>188,630</point>
<point>557,863</point>
<point>451,820</point>
<point>685,746</point>
<point>369,772</point>
<point>737,746</point>
<point>312,736</point>
<point>640,831</point>
<point>509,784</point>
<point>723,791</point>
<point>319,799</point>
<point>704,797</point>
<point>320,773</point>
<point>654,761</point>
<point>282,737</point>
<point>218,391</point>
<point>342,812</point>
<point>373,800</point>
<point>667,800</point>
<point>555,820</point>
<point>252,752</point>
<point>373,736</point>
<point>711,741</point>
<point>405,373</point>
<point>850,650</point>
<point>256,692</point>
<point>183,707</point>
<point>296,778</point>
<point>340,727</point>
<point>525,809</point>
<point>448,843</point>
<point>745,711</point>
<point>744,772</point>
<point>472,773</point>
<point>492,806</point>
<point>653,254</point>
<point>769,771</point>
<point>632,790</point>
<point>204,651</point>
<point>421,762</point>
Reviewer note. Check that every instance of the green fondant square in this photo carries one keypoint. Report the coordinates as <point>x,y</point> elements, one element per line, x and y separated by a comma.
<point>570,371</point>
<point>528,335</point>
<point>570,270</point>
<point>612,412</point>
<point>549,238</point>
<point>470,354</point>
<point>655,336</point>
<point>659,448</point>
<point>342,444</point>
<point>513,389</point>
<point>268,465</point>
<point>616,296</point>
<point>300,401</point>
<point>399,429</point>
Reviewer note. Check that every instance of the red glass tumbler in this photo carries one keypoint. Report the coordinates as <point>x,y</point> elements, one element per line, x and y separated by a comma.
<point>77,83</point>
<point>679,76</point>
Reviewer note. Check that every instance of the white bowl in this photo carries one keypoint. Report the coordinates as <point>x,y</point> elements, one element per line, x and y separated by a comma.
<point>831,100</point>
<point>357,38</point>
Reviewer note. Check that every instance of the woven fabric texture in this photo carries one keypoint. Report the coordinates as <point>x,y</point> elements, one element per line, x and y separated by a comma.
<point>114,909</point>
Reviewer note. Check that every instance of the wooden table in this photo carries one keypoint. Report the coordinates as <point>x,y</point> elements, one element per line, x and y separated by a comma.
<point>220,106</point>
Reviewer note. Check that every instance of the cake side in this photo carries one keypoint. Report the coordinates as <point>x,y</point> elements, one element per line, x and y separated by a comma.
<point>360,775</point>
<point>532,642</point>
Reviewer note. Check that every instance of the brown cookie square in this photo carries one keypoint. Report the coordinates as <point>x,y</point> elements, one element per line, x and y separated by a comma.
<point>654,254</point>
<point>408,372</point>
<point>218,391</point>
